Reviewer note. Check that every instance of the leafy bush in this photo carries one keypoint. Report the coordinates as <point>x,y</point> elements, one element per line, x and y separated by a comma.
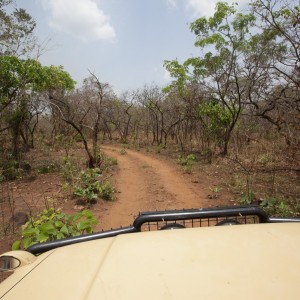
<point>107,191</point>
<point>247,197</point>
<point>187,162</point>
<point>91,186</point>
<point>276,207</point>
<point>52,225</point>
<point>219,118</point>
<point>68,169</point>
<point>11,170</point>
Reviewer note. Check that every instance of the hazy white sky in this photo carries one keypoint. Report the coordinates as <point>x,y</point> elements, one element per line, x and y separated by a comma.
<point>124,42</point>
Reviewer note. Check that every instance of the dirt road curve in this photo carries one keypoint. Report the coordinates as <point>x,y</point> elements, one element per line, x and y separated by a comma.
<point>145,183</point>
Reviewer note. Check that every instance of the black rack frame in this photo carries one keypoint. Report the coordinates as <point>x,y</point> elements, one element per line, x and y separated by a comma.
<point>174,216</point>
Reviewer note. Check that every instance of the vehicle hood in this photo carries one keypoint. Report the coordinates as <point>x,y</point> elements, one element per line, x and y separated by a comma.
<point>227,262</point>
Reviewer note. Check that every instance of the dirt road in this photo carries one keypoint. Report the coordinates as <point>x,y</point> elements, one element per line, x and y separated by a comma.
<point>146,183</point>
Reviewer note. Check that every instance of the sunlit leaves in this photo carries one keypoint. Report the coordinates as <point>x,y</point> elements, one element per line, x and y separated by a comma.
<point>177,71</point>
<point>53,225</point>
<point>219,116</point>
<point>215,39</point>
<point>29,76</point>
<point>56,78</point>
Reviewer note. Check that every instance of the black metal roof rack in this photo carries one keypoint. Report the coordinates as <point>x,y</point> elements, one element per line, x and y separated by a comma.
<point>171,219</point>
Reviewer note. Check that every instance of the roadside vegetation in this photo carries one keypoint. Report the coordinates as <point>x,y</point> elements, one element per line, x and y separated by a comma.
<point>234,111</point>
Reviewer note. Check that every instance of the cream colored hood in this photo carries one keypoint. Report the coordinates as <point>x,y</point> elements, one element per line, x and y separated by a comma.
<point>227,262</point>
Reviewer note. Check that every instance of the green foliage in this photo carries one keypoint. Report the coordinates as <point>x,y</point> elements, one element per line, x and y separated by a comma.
<point>247,198</point>
<point>187,162</point>
<point>54,225</point>
<point>20,81</point>
<point>215,189</point>
<point>276,207</point>
<point>222,39</point>
<point>11,169</point>
<point>17,74</point>
<point>89,193</point>
<point>68,169</point>
<point>178,71</point>
<point>219,32</point>
<point>107,191</point>
<point>219,117</point>
<point>90,187</point>
<point>55,78</point>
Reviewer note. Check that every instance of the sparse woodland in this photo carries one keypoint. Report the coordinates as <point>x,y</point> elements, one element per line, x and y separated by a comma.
<point>236,105</point>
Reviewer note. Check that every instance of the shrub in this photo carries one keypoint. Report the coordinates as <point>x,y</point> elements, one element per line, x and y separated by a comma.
<point>276,207</point>
<point>68,169</point>
<point>52,225</point>
<point>107,191</point>
<point>247,197</point>
<point>187,162</point>
<point>11,170</point>
<point>91,186</point>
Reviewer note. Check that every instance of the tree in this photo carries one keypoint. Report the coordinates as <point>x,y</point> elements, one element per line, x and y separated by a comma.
<point>276,47</point>
<point>16,31</point>
<point>83,111</point>
<point>152,100</point>
<point>20,80</point>
<point>222,39</point>
<point>118,114</point>
<point>250,64</point>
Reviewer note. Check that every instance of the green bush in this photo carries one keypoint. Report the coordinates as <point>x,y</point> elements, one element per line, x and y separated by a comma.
<point>52,225</point>
<point>68,169</point>
<point>276,207</point>
<point>247,198</point>
<point>107,191</point>
<point>187,162</point>
<point>10,170</point>
<point>90,187</point>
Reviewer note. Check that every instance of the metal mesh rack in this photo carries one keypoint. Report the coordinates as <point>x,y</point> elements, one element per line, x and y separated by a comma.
<point>201,222</point>
<point>159,220</point>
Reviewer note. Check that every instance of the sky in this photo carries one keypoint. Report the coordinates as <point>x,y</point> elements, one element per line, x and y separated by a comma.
<point>123,42</point>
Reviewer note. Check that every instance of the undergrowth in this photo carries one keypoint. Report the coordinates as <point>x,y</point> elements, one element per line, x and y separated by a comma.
<point>91,186</point>
<point>52,225</point>
<point>187,162</point>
